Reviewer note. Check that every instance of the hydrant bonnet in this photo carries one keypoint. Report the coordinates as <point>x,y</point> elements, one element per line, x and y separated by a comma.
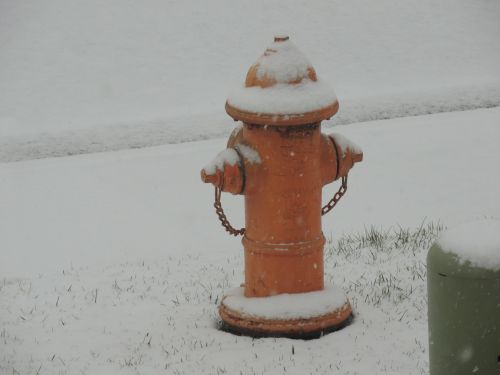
<point>282,88</point>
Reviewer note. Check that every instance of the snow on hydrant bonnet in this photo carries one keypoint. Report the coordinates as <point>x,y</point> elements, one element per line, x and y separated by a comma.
<point>279,161</point>
<point>282,86</point>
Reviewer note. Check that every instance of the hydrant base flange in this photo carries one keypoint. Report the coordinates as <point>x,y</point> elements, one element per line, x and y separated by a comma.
<point>324,312</point>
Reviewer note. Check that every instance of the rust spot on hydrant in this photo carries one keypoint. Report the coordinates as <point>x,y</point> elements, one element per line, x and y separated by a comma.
<point>280,161</point>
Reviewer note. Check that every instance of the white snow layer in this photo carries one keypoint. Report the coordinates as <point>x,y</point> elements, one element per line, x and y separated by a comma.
<point>159,315</point>
<point>287,306</point>
<point>98,208</point>
<point>283,62</point>
<point>345,144</point>
<point>249,153</point>
<point>237,129</point>
<point>282,98</point>
<point>227,156</point>
<point>231,157</point>
<point>101,272</point>
<point>79,81</point>
<point>192,127</point>
<point>477,242</point>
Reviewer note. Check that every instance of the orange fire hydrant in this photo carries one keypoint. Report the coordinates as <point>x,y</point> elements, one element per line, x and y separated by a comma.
<point>280,161</point>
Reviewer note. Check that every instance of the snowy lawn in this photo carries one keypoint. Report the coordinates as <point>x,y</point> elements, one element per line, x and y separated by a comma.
<point>161,317</point>
<point>115,262</point>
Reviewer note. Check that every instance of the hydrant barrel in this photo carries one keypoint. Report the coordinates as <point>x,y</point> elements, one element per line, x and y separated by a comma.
<point>283,240</point>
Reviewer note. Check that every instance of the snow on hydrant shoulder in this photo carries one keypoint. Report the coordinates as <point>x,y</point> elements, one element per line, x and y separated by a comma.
<point>346,144</point>
<point>228,156</point>
<point>248,153</point>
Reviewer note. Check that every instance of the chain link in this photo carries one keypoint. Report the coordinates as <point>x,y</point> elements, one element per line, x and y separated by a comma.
<point>342,190</point>
<point>222,216</point>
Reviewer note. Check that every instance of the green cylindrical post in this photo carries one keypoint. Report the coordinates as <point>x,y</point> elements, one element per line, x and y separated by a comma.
<point>464,315</point>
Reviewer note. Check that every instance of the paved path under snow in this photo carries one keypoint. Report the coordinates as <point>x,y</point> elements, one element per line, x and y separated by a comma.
<point>149,203</point>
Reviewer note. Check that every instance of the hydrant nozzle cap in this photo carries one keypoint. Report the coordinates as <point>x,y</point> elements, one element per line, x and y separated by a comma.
<point>281,88</point>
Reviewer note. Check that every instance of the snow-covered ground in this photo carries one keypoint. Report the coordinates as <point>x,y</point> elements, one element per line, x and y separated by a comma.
<point>150,317</point>
<point>115,262</point>
<point>92,209</point>
<point>86,76</point>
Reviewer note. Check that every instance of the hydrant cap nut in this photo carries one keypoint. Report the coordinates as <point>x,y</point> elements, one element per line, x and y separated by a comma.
<point>282,88</point>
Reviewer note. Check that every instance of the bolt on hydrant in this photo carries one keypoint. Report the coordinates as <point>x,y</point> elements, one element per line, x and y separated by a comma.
<point>280,161</point>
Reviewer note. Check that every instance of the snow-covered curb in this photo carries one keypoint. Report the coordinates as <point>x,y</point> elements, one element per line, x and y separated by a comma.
<point>112,137</point>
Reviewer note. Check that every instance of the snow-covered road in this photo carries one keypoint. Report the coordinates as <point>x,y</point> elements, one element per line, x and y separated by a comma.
<point>75,80</point>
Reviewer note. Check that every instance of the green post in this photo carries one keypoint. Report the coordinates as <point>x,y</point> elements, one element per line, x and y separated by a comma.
<point>464,315</point>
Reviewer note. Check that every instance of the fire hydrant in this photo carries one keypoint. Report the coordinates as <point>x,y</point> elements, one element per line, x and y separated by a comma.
<point>279,160</point>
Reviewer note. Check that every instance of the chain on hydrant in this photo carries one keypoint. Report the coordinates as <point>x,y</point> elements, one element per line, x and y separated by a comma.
<point>239,232</point>
<point>222,216</point>
<point>339,194</point>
